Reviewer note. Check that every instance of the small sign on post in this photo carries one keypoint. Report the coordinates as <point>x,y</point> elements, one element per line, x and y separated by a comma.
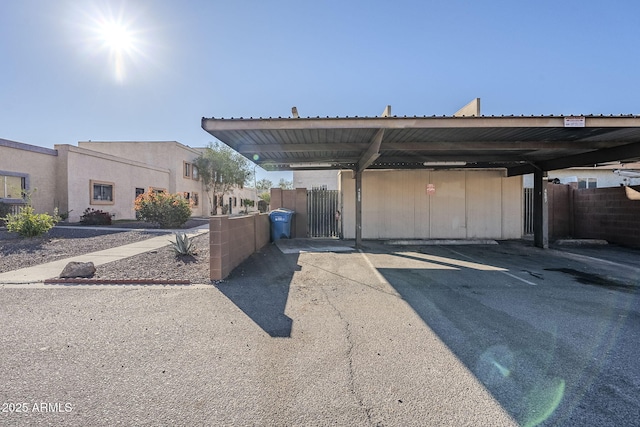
<point>431,189</point>
<point>574,122</point>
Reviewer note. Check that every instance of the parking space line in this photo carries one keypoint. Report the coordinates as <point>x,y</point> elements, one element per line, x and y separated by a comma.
<point>501,271</point>
<point>375,270</point>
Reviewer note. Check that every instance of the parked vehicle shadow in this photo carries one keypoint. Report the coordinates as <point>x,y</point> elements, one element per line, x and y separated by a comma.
<point>260,288</point>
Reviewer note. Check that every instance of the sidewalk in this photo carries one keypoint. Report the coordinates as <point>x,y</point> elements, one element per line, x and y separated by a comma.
<point>39,273</point>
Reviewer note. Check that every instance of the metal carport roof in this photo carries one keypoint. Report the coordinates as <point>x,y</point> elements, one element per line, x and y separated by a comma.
<point>518,144</point>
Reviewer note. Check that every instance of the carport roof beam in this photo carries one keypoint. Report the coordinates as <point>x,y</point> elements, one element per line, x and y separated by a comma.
<point>512,143</point>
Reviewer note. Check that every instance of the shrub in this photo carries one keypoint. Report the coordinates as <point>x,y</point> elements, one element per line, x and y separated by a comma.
<point>27,223</point>
<point>165,209</point>
<point>183,245</point>
<point>5,209</point>
<point>91,216</point>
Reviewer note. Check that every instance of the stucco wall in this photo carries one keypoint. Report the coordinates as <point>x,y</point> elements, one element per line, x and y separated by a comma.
<point>83,166</point>
<point>169,155</point>
<point>40,166</point>
<point>465,205</point>
<point>311,179</point>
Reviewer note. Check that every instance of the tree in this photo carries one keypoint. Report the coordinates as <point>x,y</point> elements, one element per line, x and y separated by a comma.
<point>262,189</point>
<point>285,185</point>
<point>221,169</point>
<point>264,185</point>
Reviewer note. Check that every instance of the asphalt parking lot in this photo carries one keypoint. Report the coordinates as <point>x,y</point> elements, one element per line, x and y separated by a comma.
<point>429,335</point>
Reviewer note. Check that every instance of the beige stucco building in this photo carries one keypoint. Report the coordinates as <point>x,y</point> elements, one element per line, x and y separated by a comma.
<point>104,176</point>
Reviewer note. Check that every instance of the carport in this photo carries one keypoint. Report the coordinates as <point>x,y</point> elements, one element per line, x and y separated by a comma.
<point>516,145</point>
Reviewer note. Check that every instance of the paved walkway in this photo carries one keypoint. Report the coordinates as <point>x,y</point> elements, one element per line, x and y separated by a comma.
<point>39,273</point>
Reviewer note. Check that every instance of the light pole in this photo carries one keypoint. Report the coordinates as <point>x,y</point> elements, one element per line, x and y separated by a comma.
<point>255,185</point>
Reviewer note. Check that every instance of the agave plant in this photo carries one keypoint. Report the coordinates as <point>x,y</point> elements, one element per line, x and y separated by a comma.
<point>183,245</point>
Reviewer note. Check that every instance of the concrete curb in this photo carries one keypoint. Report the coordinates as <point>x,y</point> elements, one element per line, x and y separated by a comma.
<point>432,242</point>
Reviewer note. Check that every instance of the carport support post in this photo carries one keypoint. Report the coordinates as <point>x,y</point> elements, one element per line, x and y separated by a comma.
<point>358,209</point>
<point>540,209</point>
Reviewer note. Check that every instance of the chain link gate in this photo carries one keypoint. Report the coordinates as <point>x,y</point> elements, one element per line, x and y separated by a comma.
<point>323,213</point>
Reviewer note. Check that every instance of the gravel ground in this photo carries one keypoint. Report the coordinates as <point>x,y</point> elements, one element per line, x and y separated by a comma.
<point>162,264</point>
<point>59,243</point>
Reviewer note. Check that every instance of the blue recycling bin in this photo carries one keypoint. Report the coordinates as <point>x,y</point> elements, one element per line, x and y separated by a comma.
<point>281,223</point>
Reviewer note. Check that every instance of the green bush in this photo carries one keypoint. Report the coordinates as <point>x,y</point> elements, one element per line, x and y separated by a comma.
<point>27,223</point>
<point>165,209</point>
<point>91,216</point>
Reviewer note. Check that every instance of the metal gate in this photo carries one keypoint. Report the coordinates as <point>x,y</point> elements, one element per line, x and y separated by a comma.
<point>323,210</point>
<point>528,211</point>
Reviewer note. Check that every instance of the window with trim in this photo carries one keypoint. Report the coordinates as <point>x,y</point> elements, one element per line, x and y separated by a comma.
<point>12,185</point>
<point>194,173</point>
<point>194,199</point>
<point>587,182</point>
<point>186,170</point>
<point>102,193</point>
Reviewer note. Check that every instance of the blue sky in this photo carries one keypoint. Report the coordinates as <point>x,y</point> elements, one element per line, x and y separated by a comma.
<point>185,59</point>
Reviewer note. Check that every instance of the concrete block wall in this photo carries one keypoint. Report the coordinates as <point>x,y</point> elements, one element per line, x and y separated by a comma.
<point>234,239</point>
<point>607,213</point>
<point>295,200</point>
<point>560,211</point>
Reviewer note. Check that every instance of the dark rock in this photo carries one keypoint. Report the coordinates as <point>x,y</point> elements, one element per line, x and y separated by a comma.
<point>78,269</point>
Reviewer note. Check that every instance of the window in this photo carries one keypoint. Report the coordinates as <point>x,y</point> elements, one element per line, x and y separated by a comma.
<point>194,199</point>
<point>194,172</point>
<point>139,191</point>
<point>12,186</point>
<point>102,193</point>
<point>186,170</point>
<point>587,182</point>
<point>235,202</point>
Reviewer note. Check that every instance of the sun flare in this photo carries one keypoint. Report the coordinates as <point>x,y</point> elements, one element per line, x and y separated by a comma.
<point>116,37</point>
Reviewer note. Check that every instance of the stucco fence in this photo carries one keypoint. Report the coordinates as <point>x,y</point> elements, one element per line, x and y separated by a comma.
<point>234,239</point>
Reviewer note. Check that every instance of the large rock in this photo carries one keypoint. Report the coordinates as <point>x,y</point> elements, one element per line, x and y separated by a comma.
<point>78,269</point>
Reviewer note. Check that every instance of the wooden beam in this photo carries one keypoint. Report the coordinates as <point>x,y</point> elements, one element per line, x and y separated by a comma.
<point>301,148</point>
<point>540,210</point>
<point>372,153</point>
<point>521,169</point>
<point>434,122</point>
<point>612,154</point>
<point>421,146</point>
<point>358,177</point>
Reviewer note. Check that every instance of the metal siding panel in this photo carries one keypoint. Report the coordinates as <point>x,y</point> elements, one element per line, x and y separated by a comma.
<point>484,206</point>
<point>447,210</point>
<point>512,207</point>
